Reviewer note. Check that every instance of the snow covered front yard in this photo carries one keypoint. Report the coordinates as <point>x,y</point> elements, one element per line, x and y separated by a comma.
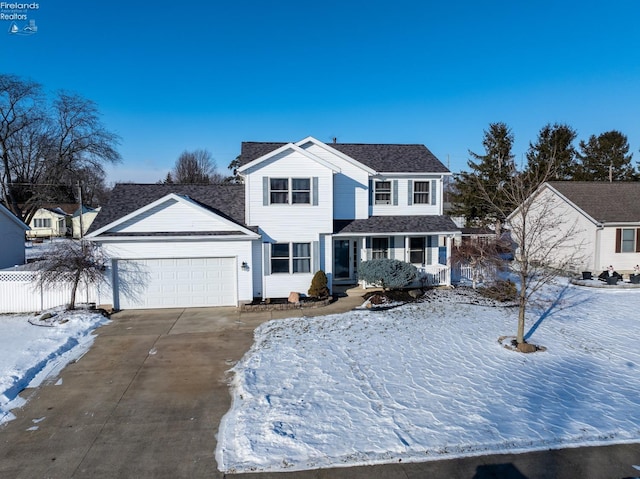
<point>30,354</point>
<point>430,381</point>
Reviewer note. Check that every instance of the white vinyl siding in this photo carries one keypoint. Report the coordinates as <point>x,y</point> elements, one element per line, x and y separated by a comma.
<point>405,196</point>
<point>350,185</point>
<point>175,216</point>
<point>303,221</point>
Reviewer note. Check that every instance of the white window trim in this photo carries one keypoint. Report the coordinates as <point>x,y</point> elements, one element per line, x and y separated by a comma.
<point>291,258</point>
<point>389,192</point>
<point>290,191</point>
<point>386,250</point>
<point>428,193</point>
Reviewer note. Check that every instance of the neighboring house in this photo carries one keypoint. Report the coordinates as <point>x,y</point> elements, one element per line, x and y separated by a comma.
<point>607,216</point>
<point>12,232</point>
<point>303,207</point>
<point>51,221</point>
<point>82,219</point>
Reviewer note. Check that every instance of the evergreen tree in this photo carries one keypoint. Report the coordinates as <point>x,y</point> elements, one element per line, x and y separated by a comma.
<point>492,170</point>
<point>605,157</point>
<point>552,155</point>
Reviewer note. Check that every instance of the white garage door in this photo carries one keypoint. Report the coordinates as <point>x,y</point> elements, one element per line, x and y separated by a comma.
<point>176,283</point>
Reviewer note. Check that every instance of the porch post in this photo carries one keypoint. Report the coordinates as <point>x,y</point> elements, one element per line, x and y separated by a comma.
<point>448,245</point>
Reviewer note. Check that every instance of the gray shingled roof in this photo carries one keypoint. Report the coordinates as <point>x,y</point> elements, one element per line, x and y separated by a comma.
<point>396,224</point>
<point>604,202</point>
<point>384,158</point>
<point>225,200</point>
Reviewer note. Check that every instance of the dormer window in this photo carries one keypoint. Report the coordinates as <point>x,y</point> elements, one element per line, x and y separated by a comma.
<point>382,192</point>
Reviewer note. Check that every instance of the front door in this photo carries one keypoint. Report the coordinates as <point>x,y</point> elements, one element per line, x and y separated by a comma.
<point>344,260</point>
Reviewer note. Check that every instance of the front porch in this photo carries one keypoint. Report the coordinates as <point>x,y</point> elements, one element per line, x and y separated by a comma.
<point>430,254</point>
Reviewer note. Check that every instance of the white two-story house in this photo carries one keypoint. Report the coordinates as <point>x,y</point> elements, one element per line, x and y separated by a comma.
<point>303,207</point>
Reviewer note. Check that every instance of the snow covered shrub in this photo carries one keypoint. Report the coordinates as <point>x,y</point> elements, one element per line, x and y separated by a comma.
<point>319,287</point>
<point>387,273</point>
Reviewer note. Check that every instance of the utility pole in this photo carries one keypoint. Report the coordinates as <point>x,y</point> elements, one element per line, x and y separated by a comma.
<point>81,209</point>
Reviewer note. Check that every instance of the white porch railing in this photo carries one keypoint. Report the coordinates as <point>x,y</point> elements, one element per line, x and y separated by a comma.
<point>20,293</point>
<point>462,273</point>
<point>433,275</point>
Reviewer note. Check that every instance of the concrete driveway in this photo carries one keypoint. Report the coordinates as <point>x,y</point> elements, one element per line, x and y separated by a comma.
<point>146,401</point>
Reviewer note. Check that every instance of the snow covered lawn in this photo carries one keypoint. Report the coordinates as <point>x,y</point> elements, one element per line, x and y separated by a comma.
<point>31,354</point>
<point>429,381</point>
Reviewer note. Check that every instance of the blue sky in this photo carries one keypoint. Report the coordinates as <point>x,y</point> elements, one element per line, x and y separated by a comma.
<point>175,76</point>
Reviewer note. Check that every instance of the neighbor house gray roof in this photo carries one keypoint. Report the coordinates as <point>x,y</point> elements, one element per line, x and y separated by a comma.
<point>396,224</point>
<point>617,202</point>
<point>383,158</point>
<point>224,200</point>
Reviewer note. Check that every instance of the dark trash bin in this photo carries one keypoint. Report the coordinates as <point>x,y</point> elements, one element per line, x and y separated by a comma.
<point>586,275</point>
<point>635,278</point>
<point>612,280</point>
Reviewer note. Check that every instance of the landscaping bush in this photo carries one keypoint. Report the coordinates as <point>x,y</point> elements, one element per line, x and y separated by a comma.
<point>319,287</point>
<point>387,273</point>
<point>503,291</point>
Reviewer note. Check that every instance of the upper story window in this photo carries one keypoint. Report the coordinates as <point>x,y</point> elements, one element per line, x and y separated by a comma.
<point>42,222</point>
<point>301,190</point>
<point>382,192</point>
<point>290,191</point>
<point>420,192</point>
<point>279,190</point>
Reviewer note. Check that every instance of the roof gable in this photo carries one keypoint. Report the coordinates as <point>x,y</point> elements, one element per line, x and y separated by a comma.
<point>11,218</point>
<point>310,142</point>
<point>617,202</point>
<point>383,158</point>
<point>171,214</point>
<point>129,200</point>
<point>281,151</point>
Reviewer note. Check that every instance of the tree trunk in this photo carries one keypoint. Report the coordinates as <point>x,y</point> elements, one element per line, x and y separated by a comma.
<point>522,303</point>
<point>76,281</point>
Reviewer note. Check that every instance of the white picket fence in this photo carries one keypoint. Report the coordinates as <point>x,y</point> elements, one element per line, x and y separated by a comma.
<point>20,293</point>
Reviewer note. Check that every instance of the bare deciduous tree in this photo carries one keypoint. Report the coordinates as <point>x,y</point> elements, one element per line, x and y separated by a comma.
<point>548,245</point>
<point>44,147</point>
<point>195,167</point>
<point>72,262</point>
